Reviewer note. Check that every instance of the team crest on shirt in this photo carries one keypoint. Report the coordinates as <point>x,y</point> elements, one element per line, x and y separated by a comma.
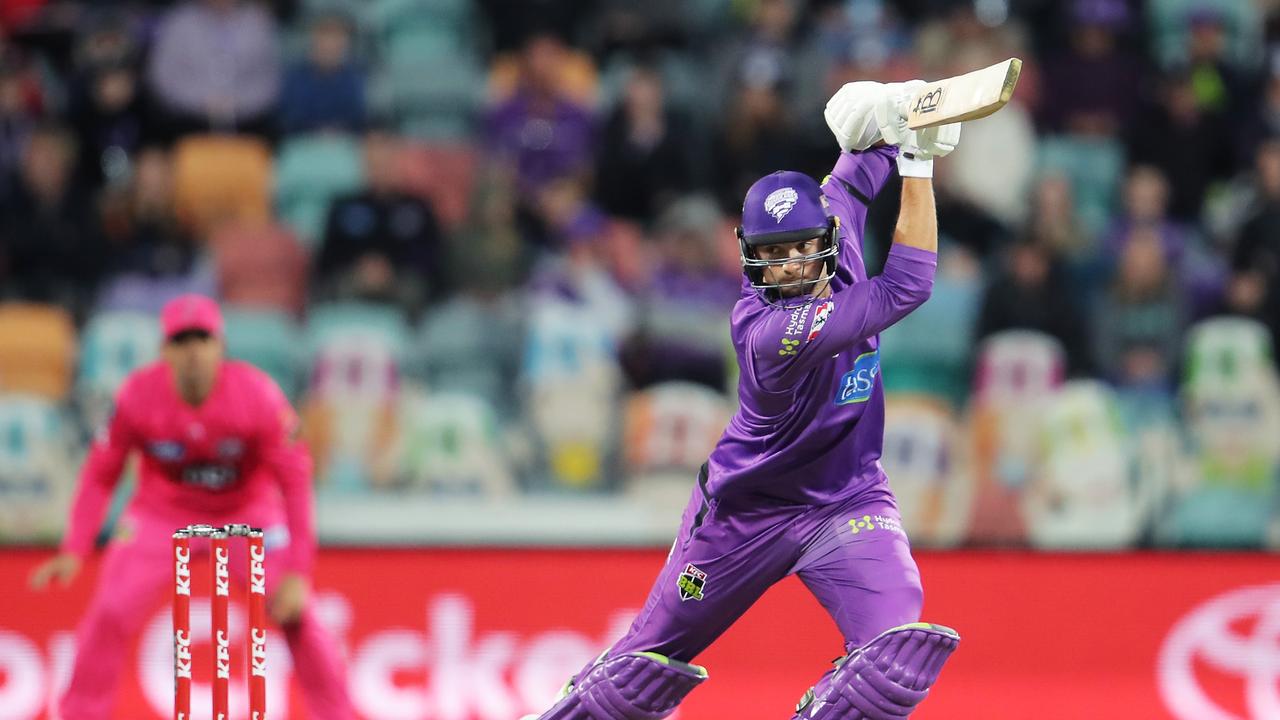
<point>691,583</point>
<point>820,316</point>
<point>779,202</point>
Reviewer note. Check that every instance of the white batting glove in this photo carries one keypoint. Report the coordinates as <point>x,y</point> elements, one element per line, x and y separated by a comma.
<point>922,146</point>
<point>891,110</point>
<point>850,114</point>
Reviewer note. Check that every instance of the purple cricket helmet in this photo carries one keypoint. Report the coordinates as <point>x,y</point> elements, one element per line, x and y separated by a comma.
<point>785,207</point>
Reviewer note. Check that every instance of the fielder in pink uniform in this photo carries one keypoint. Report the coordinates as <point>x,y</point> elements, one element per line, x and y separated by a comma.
<point>217,444</point>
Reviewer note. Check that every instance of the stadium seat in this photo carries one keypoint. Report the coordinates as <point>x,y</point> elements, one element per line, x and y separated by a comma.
<point>928,350</point>
<point>349,412</point>
<point>1094,167</point>
<point>572,380</point>
<point>437,106</point>
<point>579,81</point>
<point>669,429</point>
<point>450,443</point>
<point>392,17</point>
<point>1015,366</point>
<point>1167,25</point>
<point>1084,494</point>
<point>310,172</point>
<point>1231,408</point>
<point>1018,371</point>
<point>442,175</point>
<point>37,469</point>
<point>37,350</point>
<point>219,178</point>
<point>924,459</point>
<point>466,346</point>
<point>268,339</point>
<point>260,265</point>
<point>113,345</point>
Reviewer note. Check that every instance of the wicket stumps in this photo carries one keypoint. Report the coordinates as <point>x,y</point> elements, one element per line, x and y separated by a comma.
<point>220,610</point>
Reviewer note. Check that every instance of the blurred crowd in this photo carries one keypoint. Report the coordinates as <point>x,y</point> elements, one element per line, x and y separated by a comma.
<point>487,246</point>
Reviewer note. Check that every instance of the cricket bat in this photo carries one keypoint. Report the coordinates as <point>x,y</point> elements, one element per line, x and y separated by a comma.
<point>969,96</point>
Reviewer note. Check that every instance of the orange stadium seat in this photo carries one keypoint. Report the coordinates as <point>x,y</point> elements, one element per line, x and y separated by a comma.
<point>219,178</point>
<point>37,350</point>
<point>579,80</point>
<point>260,265</point>
<point>443,175</point>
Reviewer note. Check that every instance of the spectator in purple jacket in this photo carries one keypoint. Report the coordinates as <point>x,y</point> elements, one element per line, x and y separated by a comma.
<point>540,132</point>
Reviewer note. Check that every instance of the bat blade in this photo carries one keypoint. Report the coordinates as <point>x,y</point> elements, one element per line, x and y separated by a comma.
<point>969,96</point>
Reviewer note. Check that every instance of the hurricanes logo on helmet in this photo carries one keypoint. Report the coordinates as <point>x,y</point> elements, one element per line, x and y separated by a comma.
<point>780,201</point>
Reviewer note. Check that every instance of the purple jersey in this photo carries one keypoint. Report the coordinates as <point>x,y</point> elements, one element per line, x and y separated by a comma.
<point>810,422</point>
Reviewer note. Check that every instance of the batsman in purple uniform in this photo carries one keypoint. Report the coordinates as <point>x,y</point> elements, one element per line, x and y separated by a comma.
<point>795,485</point>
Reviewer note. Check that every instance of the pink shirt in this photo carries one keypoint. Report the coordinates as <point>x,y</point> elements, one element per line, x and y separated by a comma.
<point>201,464</point>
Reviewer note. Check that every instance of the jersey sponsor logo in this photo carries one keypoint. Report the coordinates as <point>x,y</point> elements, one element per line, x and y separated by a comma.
<point>795,325</point>
<point>230,448</point>
<point>788,347</point>
<point>856,385</point>
<point>779,202</point>
<point>691,583</point>
<point>868,523</point>
<point>209,477</point>
<point>166,450</point>
<point>820,316</point>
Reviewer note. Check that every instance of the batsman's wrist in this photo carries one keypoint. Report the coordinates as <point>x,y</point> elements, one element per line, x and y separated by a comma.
<point>910,166</point>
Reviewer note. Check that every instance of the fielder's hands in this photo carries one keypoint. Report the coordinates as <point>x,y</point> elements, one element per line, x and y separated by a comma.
<point>290,597</point>
<point>63,568</point>
<point>919,147</point>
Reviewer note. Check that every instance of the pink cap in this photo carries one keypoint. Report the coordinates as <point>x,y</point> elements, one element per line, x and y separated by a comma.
<point>191,312</point>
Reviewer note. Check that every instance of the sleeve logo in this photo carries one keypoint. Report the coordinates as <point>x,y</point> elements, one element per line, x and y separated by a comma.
<point>691,583</point>
<point>820,317</point>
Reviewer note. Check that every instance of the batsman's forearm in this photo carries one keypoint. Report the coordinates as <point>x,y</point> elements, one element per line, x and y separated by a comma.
<point>917,217</point>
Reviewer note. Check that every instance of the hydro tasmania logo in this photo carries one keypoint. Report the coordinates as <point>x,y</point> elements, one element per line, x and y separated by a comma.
<point>691,583</point>
<point>856,385</point>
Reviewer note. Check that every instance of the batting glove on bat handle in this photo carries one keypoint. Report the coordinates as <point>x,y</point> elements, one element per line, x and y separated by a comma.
<point>922,146</point>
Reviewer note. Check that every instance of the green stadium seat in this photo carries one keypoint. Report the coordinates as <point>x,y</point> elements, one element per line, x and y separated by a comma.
<point>1094,168</point>
<point>310,172</point>
<point>112,345</point>
<point>37,468</point>
<point>1231,410</point>
<point>268,339</point>
<point>928,351</point>
<point>450,443</point>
